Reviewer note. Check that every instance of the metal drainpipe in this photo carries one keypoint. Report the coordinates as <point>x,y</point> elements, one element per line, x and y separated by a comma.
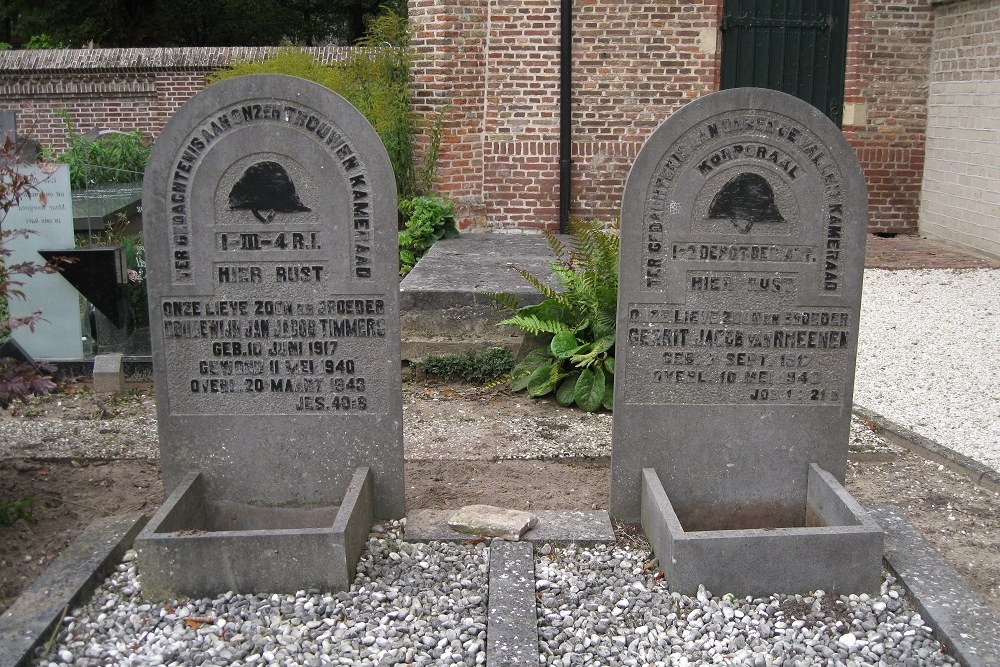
<point>565,112</point>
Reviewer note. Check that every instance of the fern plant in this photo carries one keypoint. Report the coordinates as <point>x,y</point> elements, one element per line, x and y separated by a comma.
<point>577,320</point>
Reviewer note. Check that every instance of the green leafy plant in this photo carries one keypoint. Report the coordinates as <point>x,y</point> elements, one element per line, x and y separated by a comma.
<point>44,41</point>
<point>426,219</point>
<point>577,321</point>
<point>22,507</point>
<point>475,367</point>
<point>116,157</point>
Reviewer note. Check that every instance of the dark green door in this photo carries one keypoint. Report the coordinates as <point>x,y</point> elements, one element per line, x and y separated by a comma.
<point>795,47</point>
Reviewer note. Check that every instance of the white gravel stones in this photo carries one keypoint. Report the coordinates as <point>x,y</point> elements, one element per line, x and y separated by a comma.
<point>420,604</point>
<point>602,606</point>
<point>928,355</point>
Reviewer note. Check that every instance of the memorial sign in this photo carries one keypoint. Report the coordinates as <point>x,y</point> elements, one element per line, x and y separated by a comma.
<point>270,227</point>
<point>59,334</point>
<point>742,254</point>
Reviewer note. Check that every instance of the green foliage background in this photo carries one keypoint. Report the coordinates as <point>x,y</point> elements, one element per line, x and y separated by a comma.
<point>118,157</point>
<point>136,23</point>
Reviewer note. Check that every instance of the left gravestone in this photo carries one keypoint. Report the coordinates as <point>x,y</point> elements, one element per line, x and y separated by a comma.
<point>269,211</point>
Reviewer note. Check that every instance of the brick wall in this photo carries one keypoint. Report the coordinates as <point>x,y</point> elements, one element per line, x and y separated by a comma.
<point>961,187</point>
<point>493,67</point>
<point>118,89</point>
<point>885,91</point>
<point>490,71</point>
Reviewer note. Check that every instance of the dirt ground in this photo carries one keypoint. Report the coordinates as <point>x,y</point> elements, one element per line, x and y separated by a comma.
<point>959,517</point>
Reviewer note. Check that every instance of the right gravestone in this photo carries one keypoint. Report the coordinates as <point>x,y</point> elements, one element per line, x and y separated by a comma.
<point>742,256</point>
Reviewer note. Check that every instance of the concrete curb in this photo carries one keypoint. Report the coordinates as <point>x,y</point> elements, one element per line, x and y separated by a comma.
<point>67,582</point>
<point>511,620</point>
<point>978,472</point>
<point>962,622</point>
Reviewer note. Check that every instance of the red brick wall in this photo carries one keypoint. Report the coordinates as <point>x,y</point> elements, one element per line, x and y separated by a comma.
<point>888,65</point>
<point>450,80</point>
<point>494,68</point>
<point>491,70</point>
<point>118,89</point>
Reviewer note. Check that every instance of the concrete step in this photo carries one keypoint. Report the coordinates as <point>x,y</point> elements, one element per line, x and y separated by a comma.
<point>446,302</point>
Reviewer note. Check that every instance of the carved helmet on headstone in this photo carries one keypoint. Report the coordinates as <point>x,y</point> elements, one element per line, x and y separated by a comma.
<point>745,200</point>
<point>265,189</point>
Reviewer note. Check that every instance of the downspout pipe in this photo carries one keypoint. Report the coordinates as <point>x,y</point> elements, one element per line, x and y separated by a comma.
<point>565,112</point>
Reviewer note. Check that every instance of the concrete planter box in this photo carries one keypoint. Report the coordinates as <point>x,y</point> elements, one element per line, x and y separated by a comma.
<point>839,550</point>
<point>194,548</point>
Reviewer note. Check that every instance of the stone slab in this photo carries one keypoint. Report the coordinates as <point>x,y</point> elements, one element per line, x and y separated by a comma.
<point>67,582</point>
<point>281,551</point>
<point>511,620</point>
<point>492,521</point>
<point>742,254</point>
<point>842,553</point>
<point>109,373</point>
<point>963,623</point>
<point>554,527</point>
<point>446,301</point>
<point>269,211</point>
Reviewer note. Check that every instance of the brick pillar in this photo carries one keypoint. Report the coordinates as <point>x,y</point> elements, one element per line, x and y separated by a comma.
<point>885,100</point>
<point>449,78</point>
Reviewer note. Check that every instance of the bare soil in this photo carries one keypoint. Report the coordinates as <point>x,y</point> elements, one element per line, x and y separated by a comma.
<point>958,516</point>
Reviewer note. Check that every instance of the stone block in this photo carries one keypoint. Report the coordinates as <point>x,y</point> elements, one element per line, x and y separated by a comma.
<point>193,547</point>
<point>962,621</point>
<point>109,374</point>
<point>840,548</point>
<point>583,527</point>
<point>491,521</point>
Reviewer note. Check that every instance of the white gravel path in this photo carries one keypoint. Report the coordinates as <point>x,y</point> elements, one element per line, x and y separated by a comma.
<point>929,355</point>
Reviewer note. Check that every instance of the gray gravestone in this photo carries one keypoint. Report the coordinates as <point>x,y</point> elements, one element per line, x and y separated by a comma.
<point>270,227</point>
<point>743,234</point>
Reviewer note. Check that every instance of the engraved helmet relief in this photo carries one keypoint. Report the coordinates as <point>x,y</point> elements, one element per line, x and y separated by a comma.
<point>265,189</point>
<point>745,200</point>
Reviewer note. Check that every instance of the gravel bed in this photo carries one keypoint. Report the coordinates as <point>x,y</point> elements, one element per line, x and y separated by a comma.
<point>419,604</point>
<point>929,358</point>
<point>121,438</point>
<point>602,606</point>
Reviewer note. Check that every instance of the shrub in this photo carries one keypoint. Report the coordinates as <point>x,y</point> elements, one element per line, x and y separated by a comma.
<point>117,157</point>
<point>426,219</point>
<point>577,320</point>
<point>474,367</point>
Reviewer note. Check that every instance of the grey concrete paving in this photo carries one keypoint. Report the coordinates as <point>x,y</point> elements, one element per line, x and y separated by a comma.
<point>511,625</point>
